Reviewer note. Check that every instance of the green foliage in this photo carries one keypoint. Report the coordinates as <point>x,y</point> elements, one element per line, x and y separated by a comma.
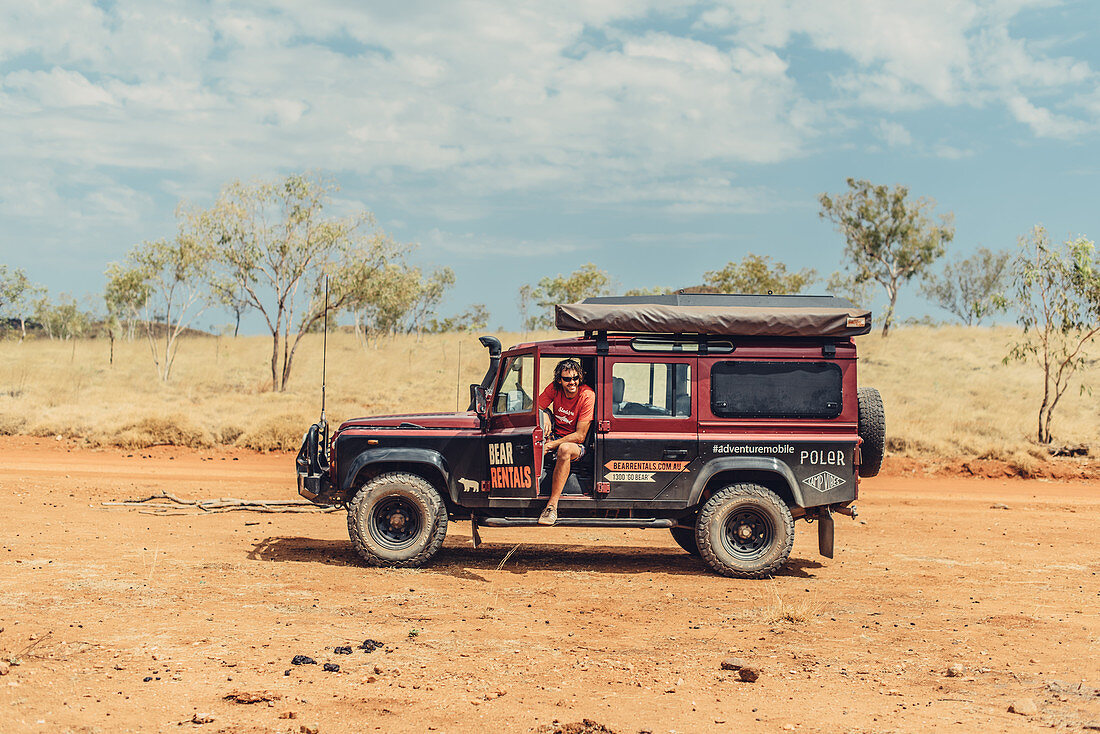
<point>382,303</point>
<point>17,297</point>
<point>275,244</point>
<point>971,289</point>
<point>890,239</point>
<point>656,291</point>
<point>1058,295</point>
<point>475,318</point>
<point>845,286</point>
<point>160,286</point>
<point>585,282</point>
<point>757,274</point>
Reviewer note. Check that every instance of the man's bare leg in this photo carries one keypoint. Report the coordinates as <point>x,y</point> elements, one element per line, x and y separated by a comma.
<point>567,452</point>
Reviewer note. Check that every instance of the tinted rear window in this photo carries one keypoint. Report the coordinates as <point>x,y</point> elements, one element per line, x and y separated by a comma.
<point>775,390</point>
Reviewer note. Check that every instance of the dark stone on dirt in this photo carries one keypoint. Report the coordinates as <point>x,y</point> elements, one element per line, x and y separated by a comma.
<point>342,650</point>
<point>584,726</point>
<point>733,664</point>
<point>749,675</point>
<point>998,506</point>
<point>332,668</point>
<point>286,672</point>
<point>371,645</point>
<point>146,679</point>
<point>303,660</point>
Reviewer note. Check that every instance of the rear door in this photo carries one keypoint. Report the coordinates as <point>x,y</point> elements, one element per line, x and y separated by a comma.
<point>514,440</point>
<point>651,442</point>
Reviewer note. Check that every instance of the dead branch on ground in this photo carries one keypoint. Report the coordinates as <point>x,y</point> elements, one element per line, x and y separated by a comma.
<point>166,503</point>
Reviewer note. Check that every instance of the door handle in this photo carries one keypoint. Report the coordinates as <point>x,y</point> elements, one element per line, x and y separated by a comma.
<point>675,453</point>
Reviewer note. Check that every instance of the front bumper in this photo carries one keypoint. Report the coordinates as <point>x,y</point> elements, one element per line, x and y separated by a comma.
<point>312,465</point>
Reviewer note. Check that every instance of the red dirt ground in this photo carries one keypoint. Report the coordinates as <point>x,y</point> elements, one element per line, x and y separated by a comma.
<point>998,576</point>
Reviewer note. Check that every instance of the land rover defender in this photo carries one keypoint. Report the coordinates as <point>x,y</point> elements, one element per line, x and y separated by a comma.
<point>721,418</point>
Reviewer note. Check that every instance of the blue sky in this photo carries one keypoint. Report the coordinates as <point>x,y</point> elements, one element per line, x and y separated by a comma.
<point>514,140</point>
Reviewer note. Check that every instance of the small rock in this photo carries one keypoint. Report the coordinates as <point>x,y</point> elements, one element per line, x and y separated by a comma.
<point>370,645</point>
<point>1024,707</point>
<point>955,671</point>
<point>747,674</point>
<point>378,670</point>
<point>289,715</point>
<point>146,679</point>
<point>369,679</point>
<point>733,664</point>
<point>332,668</point>
<point>342,650</point>
<point>5,667</point>
<point>303,660</point>
<point>202,719</point>
<point>307,729</point>
<point>998,506</point>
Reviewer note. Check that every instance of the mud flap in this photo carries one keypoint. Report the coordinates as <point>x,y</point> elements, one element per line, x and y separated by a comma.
<point>475,533</point>
<point>825,532</point>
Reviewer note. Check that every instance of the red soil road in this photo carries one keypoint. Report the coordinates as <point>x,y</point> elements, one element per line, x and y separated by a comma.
<point>617,626</point>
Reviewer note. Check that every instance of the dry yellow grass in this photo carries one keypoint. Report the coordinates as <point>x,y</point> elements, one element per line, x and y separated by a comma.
<point>946,392</point>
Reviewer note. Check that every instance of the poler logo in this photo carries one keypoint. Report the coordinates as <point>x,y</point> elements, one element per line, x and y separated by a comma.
<point>824,481</point>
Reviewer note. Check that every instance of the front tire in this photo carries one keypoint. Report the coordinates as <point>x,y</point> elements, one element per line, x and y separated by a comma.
<point>745,531</point>
<point>397,520</point>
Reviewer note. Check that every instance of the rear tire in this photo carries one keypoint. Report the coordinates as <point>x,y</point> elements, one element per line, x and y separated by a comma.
<point>397,520</point>
<point>872,429</point>
<point>745,530</point>
<point>685,538</point>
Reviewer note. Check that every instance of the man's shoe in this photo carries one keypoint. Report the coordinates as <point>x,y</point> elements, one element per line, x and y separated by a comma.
<point>549,516</point>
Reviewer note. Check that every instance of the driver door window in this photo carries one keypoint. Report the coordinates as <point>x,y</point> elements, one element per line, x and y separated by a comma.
<point>517,387</point>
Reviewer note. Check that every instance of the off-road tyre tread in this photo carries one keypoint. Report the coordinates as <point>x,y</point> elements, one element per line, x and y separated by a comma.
<point>872,429</point>
<point>685,538</point>
<point>419,486</point>
<point>733,493</point>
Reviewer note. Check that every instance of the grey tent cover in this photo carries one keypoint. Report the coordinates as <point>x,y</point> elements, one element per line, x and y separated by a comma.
<point>804,316</point>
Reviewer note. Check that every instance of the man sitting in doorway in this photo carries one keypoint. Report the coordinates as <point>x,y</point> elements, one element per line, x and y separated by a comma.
<point>574,405</point>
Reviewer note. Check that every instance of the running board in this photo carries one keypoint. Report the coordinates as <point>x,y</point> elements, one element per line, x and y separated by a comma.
<point>578,522</point>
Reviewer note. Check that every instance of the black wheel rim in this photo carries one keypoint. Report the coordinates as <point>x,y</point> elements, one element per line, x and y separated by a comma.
<point>747,534</point>
<point>395,523</point>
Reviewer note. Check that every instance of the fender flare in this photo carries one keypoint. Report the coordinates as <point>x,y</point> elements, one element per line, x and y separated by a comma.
<point>746,463</point>
<point>425,457</point>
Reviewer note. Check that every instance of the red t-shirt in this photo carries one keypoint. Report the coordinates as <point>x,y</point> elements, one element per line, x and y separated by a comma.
<point>568,412</point>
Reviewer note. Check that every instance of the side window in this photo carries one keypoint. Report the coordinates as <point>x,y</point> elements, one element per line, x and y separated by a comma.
<point>651,389</point>
<point>775,390</point>
<point>516,393</point>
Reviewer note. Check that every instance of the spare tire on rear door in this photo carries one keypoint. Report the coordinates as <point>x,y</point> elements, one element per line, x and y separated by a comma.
<point>872,429</point>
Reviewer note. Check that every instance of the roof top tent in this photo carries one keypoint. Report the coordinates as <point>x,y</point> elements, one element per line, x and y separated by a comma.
<point>717,314</point>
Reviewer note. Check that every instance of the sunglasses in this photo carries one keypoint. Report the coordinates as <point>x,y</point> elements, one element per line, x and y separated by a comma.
<point>574,378</point>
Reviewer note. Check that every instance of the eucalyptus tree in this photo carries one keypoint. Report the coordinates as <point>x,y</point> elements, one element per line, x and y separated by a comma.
<point>1058,297</point>
<point>890,238</point>
<point>276,243</point>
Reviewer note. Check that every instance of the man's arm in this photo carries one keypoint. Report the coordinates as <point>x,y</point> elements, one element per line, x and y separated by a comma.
<point>576,436</point>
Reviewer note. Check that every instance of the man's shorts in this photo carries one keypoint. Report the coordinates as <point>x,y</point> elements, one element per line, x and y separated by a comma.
<point>580,455</point>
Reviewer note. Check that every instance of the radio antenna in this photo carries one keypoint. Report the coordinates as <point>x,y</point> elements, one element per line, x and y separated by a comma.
<point>324,357</point>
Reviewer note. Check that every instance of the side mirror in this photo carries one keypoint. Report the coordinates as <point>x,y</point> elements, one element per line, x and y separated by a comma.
<point>479,398</point>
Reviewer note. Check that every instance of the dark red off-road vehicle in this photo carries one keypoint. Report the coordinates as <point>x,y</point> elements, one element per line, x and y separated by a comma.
<point>721,418</point>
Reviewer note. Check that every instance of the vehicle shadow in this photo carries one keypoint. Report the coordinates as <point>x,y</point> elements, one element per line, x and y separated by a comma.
<point>464,562</point>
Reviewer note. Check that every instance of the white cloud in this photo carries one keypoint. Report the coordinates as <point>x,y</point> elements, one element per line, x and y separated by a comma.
<point>1045,123</point>
<point>893,134</point>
